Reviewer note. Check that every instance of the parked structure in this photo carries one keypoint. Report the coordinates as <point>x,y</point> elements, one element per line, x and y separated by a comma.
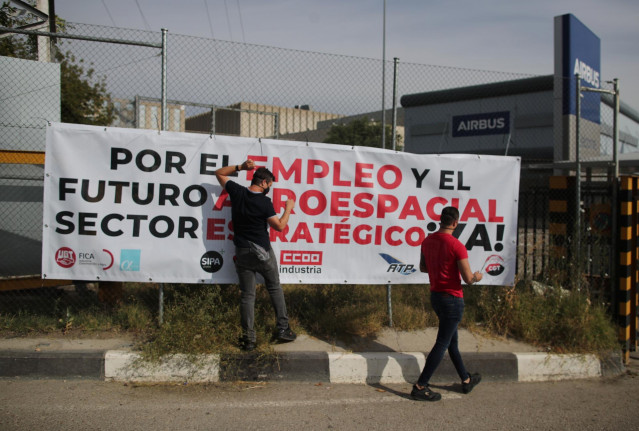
<point>257,120</point>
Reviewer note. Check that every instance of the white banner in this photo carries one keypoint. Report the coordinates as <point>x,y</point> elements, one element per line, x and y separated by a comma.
<point>138,205</point>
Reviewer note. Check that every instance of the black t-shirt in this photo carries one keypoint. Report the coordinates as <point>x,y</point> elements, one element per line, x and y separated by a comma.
<point>249,211</point>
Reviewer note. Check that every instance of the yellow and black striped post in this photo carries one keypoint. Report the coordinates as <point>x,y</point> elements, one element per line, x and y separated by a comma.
<point>634,294</point>
<point>627,270</point>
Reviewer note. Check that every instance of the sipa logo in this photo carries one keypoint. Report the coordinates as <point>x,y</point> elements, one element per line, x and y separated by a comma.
<point>397,266</point>
<point>211,261</point>
<point>494,265</point>
<point>297,257</point>
<point>65,257</point>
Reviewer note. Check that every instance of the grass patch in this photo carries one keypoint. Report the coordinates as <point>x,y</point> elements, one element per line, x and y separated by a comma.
<point>559,320</point>
<point>205,318</point>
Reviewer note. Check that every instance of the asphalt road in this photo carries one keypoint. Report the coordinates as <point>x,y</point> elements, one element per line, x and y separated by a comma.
<point>595,404</point>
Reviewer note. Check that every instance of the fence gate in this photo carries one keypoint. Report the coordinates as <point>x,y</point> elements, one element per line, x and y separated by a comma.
<point>604,253</point>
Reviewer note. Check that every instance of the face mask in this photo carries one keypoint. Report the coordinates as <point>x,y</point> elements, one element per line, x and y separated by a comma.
<point>266,189</point>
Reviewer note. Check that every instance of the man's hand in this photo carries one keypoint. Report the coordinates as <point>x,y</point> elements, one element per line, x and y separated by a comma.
<point>290,204</point>
<point>279,223</point>
<point>248,165</point>
<point>477,276</point>
<point>223,173</point>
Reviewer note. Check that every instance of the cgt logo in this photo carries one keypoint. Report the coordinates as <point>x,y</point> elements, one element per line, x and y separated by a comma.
<point>494,265</point>
<point>397,266</point>
<point>299,257</point>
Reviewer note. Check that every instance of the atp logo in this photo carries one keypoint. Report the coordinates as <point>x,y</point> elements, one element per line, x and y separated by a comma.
<point>397,266</point>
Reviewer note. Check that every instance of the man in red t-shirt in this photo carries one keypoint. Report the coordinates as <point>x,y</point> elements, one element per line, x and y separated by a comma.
<point>445,259</point>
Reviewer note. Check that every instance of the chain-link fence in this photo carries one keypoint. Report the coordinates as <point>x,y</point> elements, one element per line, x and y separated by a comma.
<point>221,87</point>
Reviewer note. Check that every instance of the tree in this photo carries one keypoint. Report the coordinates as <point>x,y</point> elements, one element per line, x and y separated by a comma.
<point>84,99</point>
<point>83,94</point>
<point>361,132</point>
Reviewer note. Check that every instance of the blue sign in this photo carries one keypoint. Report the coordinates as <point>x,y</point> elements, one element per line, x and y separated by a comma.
<point>130,260</point>
<point>581,53</point>
<point>490,123</point>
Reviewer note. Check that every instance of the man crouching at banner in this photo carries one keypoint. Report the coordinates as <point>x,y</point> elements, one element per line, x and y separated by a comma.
<point>445,258</point>
<point>252,212</point>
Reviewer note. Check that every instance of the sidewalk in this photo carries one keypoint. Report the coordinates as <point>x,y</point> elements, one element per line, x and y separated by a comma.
<point>391,357</point>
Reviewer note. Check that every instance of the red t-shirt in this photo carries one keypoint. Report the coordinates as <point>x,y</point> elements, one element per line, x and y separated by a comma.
<point>441,253</point>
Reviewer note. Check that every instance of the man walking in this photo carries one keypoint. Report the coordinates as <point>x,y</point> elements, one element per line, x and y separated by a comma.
<point>445,258</point>
<point>252,213</point>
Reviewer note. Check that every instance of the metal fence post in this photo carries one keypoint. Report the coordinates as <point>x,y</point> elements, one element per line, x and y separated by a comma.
<point>396,63</point>
<point>384,79</point>
<point>577,173</point>
<point>164,127</point>
<point>389,287</point>
<point>614,282</point>
<point>389,302</point>
<point>161,304</point>
<point>163,96</point>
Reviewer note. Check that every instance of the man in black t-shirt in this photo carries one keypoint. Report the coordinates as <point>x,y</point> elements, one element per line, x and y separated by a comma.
<point>252,213</point>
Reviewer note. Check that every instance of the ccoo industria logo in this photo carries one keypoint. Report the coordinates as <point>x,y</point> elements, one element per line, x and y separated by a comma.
<point>490,123</point>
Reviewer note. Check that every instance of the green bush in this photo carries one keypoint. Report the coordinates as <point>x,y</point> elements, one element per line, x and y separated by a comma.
<point>559,320</point>
<point>205,318</point>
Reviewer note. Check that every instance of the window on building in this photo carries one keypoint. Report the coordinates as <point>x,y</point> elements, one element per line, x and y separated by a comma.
<point>155,119</point>
<point>142,124</point>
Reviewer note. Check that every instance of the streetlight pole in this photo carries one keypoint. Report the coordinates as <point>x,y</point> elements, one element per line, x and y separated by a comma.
<point>384,78</point>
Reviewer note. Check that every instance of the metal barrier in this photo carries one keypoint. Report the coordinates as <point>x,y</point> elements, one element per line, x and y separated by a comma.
<point>234,88</point>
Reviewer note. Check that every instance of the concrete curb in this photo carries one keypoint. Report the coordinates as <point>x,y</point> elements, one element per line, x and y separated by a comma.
<point>333,367</point>
<point>59,364</point>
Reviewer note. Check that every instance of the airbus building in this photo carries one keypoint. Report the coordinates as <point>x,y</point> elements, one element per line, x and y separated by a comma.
<point>533,118</point>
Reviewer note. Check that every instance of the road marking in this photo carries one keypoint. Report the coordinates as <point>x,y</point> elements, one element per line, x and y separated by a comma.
<point>208,405</point>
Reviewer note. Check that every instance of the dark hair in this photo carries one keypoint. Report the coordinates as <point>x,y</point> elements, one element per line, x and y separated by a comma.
<point>449,216</point>
<point>262,174</point>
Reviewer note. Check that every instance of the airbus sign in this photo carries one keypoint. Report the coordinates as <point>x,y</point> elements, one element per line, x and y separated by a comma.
<point>490,123</point>
<point>577,51</point>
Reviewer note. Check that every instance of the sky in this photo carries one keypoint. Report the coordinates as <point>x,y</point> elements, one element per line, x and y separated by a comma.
<point>498,35</point>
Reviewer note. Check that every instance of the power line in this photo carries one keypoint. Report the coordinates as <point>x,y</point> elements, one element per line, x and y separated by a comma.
<point>228,20</point>
<point>142,14</point>
<point>208,15</point>
<point>239,11</point>
<point>109,13</point>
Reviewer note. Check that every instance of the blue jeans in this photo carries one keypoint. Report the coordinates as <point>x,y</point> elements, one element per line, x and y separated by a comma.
<point>247,265</point>
<point>449,310</point>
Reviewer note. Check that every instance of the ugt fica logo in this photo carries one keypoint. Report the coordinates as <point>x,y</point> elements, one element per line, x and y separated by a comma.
<point>397,266</point>
<point>65,257</point>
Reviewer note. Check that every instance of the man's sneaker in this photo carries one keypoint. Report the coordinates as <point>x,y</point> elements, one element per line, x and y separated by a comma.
<point>474,381</point>
<point>247,345</point>
<point>286,335</point>
<point>424,394</point>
